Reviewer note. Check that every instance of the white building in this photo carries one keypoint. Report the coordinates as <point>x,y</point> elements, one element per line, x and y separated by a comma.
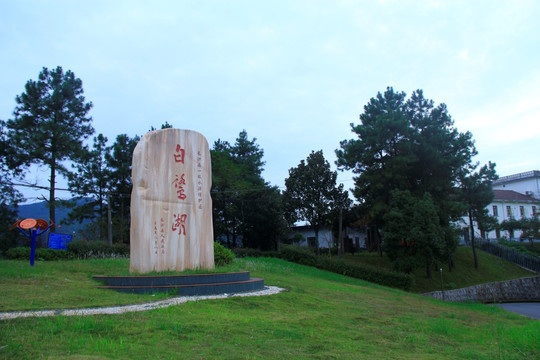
<point>352,237</point>
<point>515,196</point>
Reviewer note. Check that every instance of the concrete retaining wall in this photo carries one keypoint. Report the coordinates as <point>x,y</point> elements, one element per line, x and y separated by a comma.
<point>517,290</point>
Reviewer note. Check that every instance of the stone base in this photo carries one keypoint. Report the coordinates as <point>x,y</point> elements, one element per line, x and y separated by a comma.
<point>186,285</point>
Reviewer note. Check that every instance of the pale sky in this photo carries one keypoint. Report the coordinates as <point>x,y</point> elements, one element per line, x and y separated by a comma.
<point>293,74</point>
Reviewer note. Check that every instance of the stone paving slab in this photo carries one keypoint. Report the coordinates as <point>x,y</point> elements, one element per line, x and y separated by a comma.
<point>268,290</point>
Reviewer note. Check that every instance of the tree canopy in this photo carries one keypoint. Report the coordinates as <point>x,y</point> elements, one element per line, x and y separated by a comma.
<point>311,191</point>
<point>476,192</point>
<point>246,208</point>
<point>407,145</point>
<point>50,124</point>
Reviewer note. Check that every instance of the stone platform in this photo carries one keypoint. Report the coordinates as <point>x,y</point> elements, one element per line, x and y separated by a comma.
<point>186,285</point>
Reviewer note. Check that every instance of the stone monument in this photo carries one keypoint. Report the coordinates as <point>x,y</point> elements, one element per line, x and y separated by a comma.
<point>171,207</point>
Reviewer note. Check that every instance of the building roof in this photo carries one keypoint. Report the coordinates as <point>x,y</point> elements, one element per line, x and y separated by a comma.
<point>511,195</point>
<point>517,177</point>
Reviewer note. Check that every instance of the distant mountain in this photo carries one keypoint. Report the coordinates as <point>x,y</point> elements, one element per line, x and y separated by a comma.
<point>40,210</point>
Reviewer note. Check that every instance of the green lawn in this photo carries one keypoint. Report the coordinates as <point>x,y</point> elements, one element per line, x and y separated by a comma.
<point>491,268</point>
<point>320,316</point>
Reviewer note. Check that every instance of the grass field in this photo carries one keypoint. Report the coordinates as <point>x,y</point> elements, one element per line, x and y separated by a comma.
<point>320,316</point>
<point>491,268</point>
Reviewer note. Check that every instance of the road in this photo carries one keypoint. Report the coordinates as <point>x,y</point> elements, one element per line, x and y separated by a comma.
<point>528,309</point>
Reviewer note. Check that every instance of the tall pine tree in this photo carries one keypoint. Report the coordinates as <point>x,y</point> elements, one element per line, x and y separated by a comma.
<point>50,124</point>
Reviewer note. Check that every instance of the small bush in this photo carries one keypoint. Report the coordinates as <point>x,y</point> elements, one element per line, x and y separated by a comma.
<point>96,250</point>
<point>222,255</point>
<point>248,252</point>
<point>299,255</point>
<point>19,253</point>
<point>23,253</point>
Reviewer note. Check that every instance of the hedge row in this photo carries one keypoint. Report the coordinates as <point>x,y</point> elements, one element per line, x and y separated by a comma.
<point>75,250</point>
<point>23,253</point>
<point>97,250</point>
<point>248,252</point>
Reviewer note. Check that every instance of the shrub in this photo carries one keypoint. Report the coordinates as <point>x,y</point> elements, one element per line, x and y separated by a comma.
<point>23,253</point>
<point>248,252</point>
<point>97,250</point>
<point>222,255</point>
<point>298,255</point>
<point>19,253</point>
<point>51,254</point>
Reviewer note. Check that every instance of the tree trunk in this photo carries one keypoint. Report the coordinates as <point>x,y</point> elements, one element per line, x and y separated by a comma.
<point>379,245</point>
<point>109,220</point>
<point>340,234</point>
<point>471,226</point>
<point>429,274</point>
<point>52,206</point>
<point>100,221</point>
<point>317,240</point>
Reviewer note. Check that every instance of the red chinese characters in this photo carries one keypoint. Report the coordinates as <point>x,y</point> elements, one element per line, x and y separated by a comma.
<point>155,238</point>
<point>199,181</point>
<point>180,154</point>
<point>159,238</point>
<point>179,182</point>
<point>162,235</point>
<point>179,223</point>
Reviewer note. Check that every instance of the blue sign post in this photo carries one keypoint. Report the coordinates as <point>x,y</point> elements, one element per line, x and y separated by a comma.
<point>59,241</point>
<point>34,226</point>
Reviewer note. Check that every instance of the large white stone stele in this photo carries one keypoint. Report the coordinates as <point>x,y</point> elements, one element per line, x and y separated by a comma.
<point>171,207</point>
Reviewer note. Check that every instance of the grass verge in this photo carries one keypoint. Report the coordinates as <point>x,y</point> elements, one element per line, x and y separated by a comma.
<point>321,316</point>
<point>491,269</point>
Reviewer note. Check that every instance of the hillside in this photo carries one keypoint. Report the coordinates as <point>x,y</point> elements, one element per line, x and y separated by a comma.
<point>491,269</point>
<point>40,210</point>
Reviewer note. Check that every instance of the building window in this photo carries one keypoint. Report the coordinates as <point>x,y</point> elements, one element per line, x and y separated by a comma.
<point>508,211</point>
<point>522,211</point>
<point>495,211</point>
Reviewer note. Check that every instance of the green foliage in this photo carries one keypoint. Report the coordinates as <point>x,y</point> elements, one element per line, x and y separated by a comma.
<point>244,206</point>
<point>23,253</point>
<point>299,255</point>
<point>408,145</point>
<point>476,192</point>
<point>512,224</point>
<point>412,232</point>
<point>256,253</point>
<point>51,122</point>
<point>521,247</point>
<point>530,228</point>
<point>75,250</point>
<point>311,192</point>
<point>118,159</point>
<point>90,183</point>
<point>381,277</point>
<point>9,196</point>
<point>222,255</point>
<point>96,250</point>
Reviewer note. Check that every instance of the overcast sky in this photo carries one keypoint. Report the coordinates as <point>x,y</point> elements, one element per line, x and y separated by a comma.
<point>293,74</point>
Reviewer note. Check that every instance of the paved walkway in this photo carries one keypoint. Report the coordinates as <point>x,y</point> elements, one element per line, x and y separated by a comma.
<point>531,310</point>
<point>268,290</point>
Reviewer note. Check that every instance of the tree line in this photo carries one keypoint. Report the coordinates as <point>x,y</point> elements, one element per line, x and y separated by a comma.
<point>414,175</point>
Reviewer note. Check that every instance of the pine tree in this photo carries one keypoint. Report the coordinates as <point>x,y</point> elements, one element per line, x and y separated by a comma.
<point>50,124</point>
